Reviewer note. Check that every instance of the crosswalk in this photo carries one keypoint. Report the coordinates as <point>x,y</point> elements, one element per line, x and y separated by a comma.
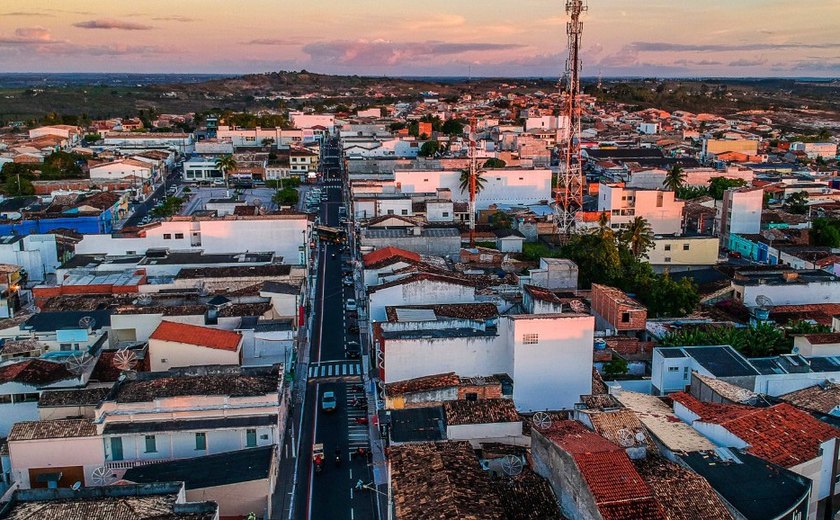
<point>357,434</point>
<point>335,369</point>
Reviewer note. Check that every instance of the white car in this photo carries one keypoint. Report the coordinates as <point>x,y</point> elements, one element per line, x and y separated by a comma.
<point>350,305</point>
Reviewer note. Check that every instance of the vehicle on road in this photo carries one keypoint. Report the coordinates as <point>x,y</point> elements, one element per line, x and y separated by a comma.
<point>353,329</point>
<point>353,350</point>
<point>318,456</point>
<point>350,305</point>
<point>328,402</point>
<point>348,281</point>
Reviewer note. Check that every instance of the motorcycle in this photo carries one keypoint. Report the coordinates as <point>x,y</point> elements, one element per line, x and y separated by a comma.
<point>357,388</point>
<point>361,420</point>
<point>337,457</point>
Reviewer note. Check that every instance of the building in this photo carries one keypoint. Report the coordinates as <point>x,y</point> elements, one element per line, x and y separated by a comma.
<point>659,208</point>
<point>556,274</point>
<point>410,236</point>
<point>741,212</point>
<point>718,146</point>
<point>174,345</point>
<point>616,312</point>
<point>677,253</point>
<point>785,286</point>
<point>181,143</point>
<point>201,169</point>
<point>137,171</point>
<point>240,482</point>
<point>135,502</point>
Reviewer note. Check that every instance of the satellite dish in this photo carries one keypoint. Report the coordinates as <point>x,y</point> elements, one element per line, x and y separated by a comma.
<point>763,301</point>
<point>78,363</point>
<point>511,465</point>
<point>794,350</point>
<point>125,359</point>
<point>626,439</point>
<point>144,299</point>
<point>103,476</point>
<point>36,309</point>
<point>87,322</point>
<point>479,381</point>
<point>640,436</point>
<point>541,421</point>
<point>76,485</point>
<point>577,306</point>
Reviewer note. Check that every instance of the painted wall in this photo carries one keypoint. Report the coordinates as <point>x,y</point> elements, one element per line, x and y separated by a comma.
<point>46,453</point>
<point>501,186</point>
<point>181,444</point>
<point>417,293</point>
<point>237,500</point>
<point>684,251</point>
<point>166,354</point>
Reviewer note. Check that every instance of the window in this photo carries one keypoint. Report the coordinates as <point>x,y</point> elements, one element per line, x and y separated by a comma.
<point>667,247</point>
<point>686,247</point>
<point>445,214</point>
<point>673,369</point>
<point>151,444</point>
<point>167,236</point>
<point>404,212</point>
<point>201,441</point>
<point>390,212</point>
<point>66,346</point>
<point>667,258</point>
<point>471,396</point>
<point>5,399</point>
<point>179,235</point>
<point>625,317</point>
<point>26,398</point>
<point>685,373</point>
<point>530,339</point>
<point>250,438</point>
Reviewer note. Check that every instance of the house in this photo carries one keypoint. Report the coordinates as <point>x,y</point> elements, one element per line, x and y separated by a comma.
<point>509,240</point>
<point>416,289</point>
<point>679,253</point>
<point>175,344</point>
<point>137,502</point>
<point>20,385</point>
<point>820,399</point>
<point>138,171</point>
<point>615,311</point>
<point>785,286</point>
<point>386,261</point>
<point>136,422</point>
<point>483,421</point>
<point>817,345</point>
<point>658,207</point>
<point>54,454</point>
<point>240,482</point>
<point>411,236</point>
<point>36,254</point>
<point>741,211</point>
<point>556,274</point>
<point>181,143</point>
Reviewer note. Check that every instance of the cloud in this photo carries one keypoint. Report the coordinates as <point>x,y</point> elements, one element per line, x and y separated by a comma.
<point>384,52</point>
<point>438,21</point>
<point>725,47</point>
<point>270,41</point>
<point>699,63</point>
<point>28,36</point>
<point>28,13</point>
<point>175,18</point>
<point>108,50</point>
<point>110,23</point>
<point>748,63</point>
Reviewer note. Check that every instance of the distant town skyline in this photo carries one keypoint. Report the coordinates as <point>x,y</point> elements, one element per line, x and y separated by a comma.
<point>433,38</point>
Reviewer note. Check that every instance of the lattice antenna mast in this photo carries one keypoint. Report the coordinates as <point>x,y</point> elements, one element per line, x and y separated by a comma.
<point>569,194</point>
<point>473,173</point>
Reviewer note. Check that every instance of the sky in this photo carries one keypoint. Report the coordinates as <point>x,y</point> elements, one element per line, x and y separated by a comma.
<point>663,38</point>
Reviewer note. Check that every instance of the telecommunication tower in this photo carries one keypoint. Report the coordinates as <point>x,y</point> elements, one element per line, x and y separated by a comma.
<point>569,190</point>
<point>473,173</point>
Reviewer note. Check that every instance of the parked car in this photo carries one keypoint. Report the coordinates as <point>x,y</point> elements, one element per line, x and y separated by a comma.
<point>348,281</point>
<point>328,402</point>
<point>350,305</point>
<point>353,350</point>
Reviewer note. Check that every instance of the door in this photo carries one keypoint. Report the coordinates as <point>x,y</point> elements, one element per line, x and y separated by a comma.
<point>116,448</point>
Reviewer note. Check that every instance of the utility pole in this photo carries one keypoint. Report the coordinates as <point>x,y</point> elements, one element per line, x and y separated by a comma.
<point>569,190</point>
<point>473,173</point>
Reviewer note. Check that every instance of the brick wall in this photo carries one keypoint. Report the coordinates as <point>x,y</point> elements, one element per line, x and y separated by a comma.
<point>607,302</point>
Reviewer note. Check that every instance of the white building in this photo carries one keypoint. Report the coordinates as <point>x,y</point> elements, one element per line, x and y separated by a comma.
<point>255,137</point>
<point>201,169</point>
<point>182,143</point>
<point>36,254</point>
<point>418,289</point>
<point>286,235</point>
<point>741,211</point>
<point>122,169</point>
<point>305,121</point>
<point>174,345</point>
<point>659,207</point>
<point>501,186</point>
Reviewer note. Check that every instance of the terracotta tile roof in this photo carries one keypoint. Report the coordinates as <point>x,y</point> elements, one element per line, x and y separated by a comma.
<point>421,384</point>
<point>194,335</point>
<point>388,255</point>
<point>598,385</point>
<point>212,380</point>
<point>620,427</point>
<point>81,397</point>
<point>600,402</point>
<point>417,277</point>
<point>781,434</point>
<point>482,411</point>
<point>618,489</point>
<point>818,398</point>
<point>466,311</point>
<point>34,372</point>
<point>683,494</point>
<point>441,481</point>
<point>526,496</point>
<point>734,393</point>
<point>660,421</point>
<point>58,429</point>
<point>826,338</point>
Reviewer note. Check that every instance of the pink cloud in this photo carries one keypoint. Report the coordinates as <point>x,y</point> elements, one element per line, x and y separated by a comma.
<point>111,23</point>
<point>385,52</point>
<point>28,36</point>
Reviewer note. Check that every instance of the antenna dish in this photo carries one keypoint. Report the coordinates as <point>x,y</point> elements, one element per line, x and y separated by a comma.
<point>541,421</point>
<point>125,359</point>
<point>479,381</point>
<point>144,299</point>
<point>794,350</point>
<point>640,436</point>
<point>87,322</point>
<point>258,203</point>
<point>36,309</point>
<point>577,306</point>
<point>512,465</point>
<point>625,438</point>
<point>76,485</point>
<point>78,363</point>
<point>763,301</point>
<point>103,476</point>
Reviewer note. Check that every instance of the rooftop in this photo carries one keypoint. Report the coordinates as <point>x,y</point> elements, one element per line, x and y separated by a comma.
<point>235,271</point>
<point>34,372</point>
<point>388,255</point>
<point>208,471</point>
<point>209,337</point>
<point>231,381</point>
<point>719,360</point>
<point>424,424</point>
<point>80,397</point>
<point>464,311</point>
<point>482,411</point>
<point>683,494</point>
<point>56,429</point>
<point>822,398</point>
<point>422,384</point>
<point>660,421</point>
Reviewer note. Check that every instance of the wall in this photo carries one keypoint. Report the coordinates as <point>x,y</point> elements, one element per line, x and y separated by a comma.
<point>437,246</point>
<point>502,186</point>
<point>165,355</point>
<point>553,373</point>
<point>46,453</point>
<point>417,293</point>
<point>507,433</point>
<point>702,251</point>
<point>741,212</point>
<point>39,255</point>
<point>561,471</point>
<point>610,307</point>
<point>555,276</point>
<point>791,294</point>
<point>236,500</point>
<point>466,356</point>
<point>10,413</point>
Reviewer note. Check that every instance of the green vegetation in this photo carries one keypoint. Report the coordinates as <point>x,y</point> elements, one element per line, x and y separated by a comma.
<point>494,163</point>
<point>430,148</point>
<point>15,185</point>
<point>638,236</point>
<point>675,178</point>
<point>762,339</point>
<point>501,220</point>
<point>453,127</point>
<point>616,367</point>
<point>797,203</point>
<point>57,166</point>
<point>170,206</point>
<point>249,120</point>
<point>290,182</point>
<point>286,197</point>
<point>226,164</point>
<point>716,188</point>
<point>480,181</point>
<point>825,232</point>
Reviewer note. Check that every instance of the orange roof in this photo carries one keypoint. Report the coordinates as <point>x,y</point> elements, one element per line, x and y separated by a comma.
<point>195,335</point>
<point>386,253</point>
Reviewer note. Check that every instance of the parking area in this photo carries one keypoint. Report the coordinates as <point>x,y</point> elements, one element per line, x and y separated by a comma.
<point>199,196</point>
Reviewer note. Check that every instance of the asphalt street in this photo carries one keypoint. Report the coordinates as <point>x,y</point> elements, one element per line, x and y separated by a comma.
<point>141,209</point>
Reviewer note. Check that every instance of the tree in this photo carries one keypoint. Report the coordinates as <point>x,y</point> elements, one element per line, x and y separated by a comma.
<point>797,203</point>
<point>501,220</point>
<point>718,185</point>
<point>453,127</point>
<point>638,236</point>
<point>597,257</point>
<point>226,164</point>
<point>691,192</point>
<point>16,185</point>
<point>675,178</point>
<point>825,232</point>
<point>494,163</point>
<point>286,197</point>
<point>665,297</point>
<point>430,148</point>
<point>480,181</point>
<point>267,142</point>
<point>616,367</point>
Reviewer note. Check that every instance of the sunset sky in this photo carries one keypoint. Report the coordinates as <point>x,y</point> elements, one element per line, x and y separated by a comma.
<point>433,37</point>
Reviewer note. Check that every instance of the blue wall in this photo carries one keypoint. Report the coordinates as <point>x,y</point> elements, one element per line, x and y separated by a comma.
<point>90,225</point>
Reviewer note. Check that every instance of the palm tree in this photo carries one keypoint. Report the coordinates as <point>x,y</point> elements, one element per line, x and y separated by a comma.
<point>465,181</point>
<point>638,236</point>
<point>675,178</point>
<point>226,164</point>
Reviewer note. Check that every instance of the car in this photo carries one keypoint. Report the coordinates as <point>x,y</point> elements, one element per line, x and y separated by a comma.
<point>353,350</point>
<point>350,304</point>
<point>353,329</point>
<point>218,182</point>
<point>734,254</point>
<point>328,402</point>
<point>348,281</point>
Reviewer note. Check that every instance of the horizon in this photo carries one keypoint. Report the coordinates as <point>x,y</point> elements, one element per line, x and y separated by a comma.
<point>753,38</point>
